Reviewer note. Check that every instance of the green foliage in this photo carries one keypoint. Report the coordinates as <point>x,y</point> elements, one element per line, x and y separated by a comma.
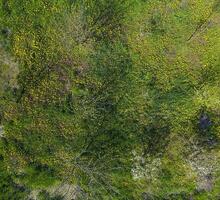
<point>8,188</point>
<point>108,96</point>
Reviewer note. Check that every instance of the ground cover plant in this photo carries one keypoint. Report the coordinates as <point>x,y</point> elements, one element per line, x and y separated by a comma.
<point>110,99</point>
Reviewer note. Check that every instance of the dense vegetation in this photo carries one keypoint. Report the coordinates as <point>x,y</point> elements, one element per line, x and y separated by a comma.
<point>110,99</point>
